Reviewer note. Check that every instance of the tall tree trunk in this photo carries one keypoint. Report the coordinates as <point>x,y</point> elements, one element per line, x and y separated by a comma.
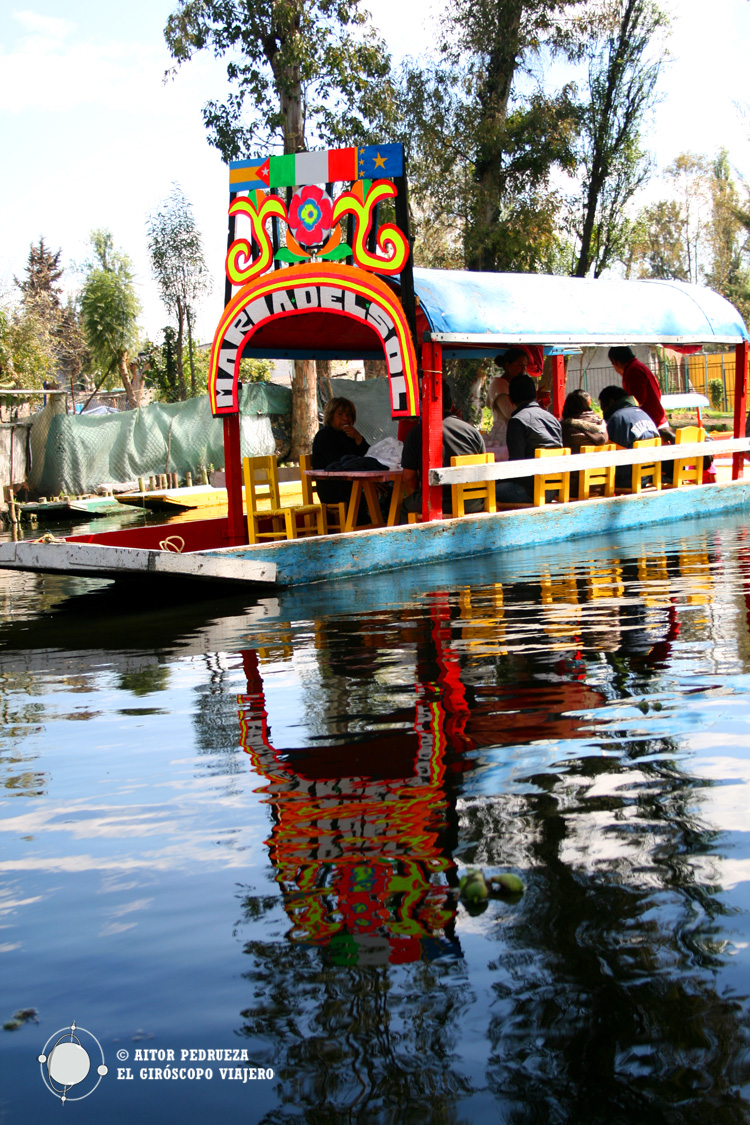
<point>304,407</point>
<point>494,95</point>
<point>190,354</point>
<point>182,390</point>
<point>126,381</point>
<point>325,389</point>
<point>375,368</point>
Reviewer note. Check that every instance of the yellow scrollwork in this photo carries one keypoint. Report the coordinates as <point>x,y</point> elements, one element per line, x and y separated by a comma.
<point>390,241</point>
<point>258,207</point>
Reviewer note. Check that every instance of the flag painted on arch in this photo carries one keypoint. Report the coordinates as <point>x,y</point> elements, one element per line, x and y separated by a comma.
<point>324,166</point>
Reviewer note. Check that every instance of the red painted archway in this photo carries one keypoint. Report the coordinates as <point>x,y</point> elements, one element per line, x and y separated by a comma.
<point>318,290</point>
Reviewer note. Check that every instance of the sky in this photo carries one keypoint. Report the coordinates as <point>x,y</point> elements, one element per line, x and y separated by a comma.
<point>91,136</point>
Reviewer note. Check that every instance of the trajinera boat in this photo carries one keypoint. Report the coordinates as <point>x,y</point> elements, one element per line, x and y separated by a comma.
<point>317,275</point>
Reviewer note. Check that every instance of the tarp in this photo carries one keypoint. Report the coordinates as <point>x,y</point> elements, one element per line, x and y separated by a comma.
<point>466,308</point>
<point>74,453</point>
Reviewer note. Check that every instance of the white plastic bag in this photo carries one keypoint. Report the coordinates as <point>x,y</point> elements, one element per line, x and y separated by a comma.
<point>388,452</point>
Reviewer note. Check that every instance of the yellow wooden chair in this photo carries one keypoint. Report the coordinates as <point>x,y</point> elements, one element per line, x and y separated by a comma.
<point>483,490</point>
<point>597,478</point>
<point>334,515</point>
<point>688,470</point>
<point>551,482</point>
<point>262,483</point>
<point>644,469</point>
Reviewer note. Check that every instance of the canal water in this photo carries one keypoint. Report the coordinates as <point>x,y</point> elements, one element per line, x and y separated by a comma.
<point>233,831</point>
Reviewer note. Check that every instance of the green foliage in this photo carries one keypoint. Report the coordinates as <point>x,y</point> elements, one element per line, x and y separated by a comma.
<point>109,310</point>
<point>657,245</point>
<point>255,370</point>
<point>625,60</point>
<point>467,378</point>
<point>688,176</point>
<point>43,271</point>
<point>481,156</point>
<point>27,349</point>
<point>109,306</point>
<point>699,236</point>
<point>290,62</point>
<point>716,393</point>
<point>727,239</point>
<point>40,339</point>
<point>161,368</point>
<point>180,270</point>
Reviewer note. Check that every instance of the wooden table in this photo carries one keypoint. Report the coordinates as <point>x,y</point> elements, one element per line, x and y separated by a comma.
<point>364,483</point>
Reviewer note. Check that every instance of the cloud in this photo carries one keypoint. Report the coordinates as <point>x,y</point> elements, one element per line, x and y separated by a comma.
<point>55,75</point>
<point>47,26</point>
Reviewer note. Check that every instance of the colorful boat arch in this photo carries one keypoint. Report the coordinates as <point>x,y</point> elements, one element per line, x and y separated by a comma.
<point>323,288</point>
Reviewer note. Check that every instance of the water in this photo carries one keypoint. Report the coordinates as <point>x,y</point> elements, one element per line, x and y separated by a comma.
<point>239,825</point>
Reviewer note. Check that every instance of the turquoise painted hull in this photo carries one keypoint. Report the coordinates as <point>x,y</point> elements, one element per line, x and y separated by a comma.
<point>314,559</point>
<point>300,562</point>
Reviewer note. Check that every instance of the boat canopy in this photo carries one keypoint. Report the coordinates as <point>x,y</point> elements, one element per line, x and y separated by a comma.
<point>486,311</point>
<point>478,314</point>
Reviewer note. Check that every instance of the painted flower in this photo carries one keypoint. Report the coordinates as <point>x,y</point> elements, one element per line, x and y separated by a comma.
<point>310,215</point>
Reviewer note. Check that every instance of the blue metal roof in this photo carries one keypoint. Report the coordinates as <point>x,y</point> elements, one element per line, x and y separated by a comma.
<point>496,309</point>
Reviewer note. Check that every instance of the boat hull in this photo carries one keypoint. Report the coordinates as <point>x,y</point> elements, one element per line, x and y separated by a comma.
<point>324,558</point>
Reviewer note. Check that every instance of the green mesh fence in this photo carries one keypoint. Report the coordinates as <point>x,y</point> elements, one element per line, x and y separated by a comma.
<point>73,453</point>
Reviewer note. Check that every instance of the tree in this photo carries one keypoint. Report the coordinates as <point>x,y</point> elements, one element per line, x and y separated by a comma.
<point>727,238</point>
<point>180,270</point>
<point>689,175</point>
<point>292,64</point>
<point>37,334</point>
<point>109,311</point>
<point>481,155</point>
<point>43,271</point>
<point>625,62</point>
<point>27,349</point>
<point>657,244</point>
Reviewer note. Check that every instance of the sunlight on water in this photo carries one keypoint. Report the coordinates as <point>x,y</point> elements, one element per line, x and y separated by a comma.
<point>241,824</point>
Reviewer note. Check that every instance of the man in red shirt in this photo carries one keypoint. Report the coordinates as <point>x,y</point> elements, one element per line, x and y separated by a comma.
<point>640,382</point>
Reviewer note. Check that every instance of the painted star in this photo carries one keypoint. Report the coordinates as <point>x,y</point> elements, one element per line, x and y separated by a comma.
<point>380,161</point>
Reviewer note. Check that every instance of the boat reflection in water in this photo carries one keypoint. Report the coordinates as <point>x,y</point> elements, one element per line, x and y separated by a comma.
<point>600,990</point>
<point>364,831</point>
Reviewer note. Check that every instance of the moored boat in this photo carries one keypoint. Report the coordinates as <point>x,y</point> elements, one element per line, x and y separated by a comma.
<point>374,305</point>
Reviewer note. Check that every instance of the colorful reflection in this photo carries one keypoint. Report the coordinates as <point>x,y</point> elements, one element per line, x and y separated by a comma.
<point>362,858</point>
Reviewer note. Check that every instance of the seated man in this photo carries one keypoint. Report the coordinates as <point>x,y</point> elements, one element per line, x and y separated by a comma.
<point>531,427</point>
<point>640,382</point>
<point>459,439</point>
<point>627,423</point>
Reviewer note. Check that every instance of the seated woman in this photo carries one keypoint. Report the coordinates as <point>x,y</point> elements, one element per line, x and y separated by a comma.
<point>337,438</point>
<point>580,424</point>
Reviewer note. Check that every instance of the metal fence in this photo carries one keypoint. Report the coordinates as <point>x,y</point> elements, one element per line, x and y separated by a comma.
<point>711,375</point>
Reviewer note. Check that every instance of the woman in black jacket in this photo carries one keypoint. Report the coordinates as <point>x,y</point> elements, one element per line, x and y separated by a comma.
<point>338,437</point>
